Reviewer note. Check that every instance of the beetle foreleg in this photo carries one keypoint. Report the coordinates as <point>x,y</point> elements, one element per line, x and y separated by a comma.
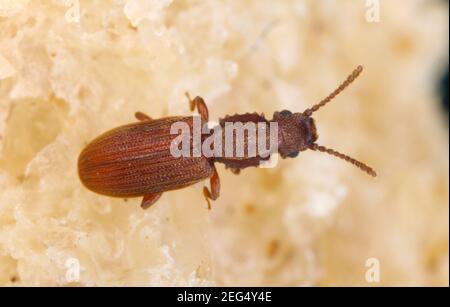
<point>150,199</point>
<point>214,193</point>
<point>142,117</point>
<point>200,104</point>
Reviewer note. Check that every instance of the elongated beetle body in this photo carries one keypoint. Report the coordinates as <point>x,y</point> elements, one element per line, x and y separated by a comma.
<point>137,160</point>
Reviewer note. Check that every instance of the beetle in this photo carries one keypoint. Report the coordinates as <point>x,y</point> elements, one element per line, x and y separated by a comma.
<point>135,160</point>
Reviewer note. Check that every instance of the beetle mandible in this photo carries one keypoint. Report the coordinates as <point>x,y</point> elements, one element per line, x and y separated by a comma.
<point>135,161</point>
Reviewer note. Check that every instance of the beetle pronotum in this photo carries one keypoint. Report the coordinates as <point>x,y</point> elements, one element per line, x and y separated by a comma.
<point>135,160</point>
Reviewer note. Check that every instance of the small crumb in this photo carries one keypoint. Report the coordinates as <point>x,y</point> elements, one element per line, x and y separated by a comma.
<point>273,247</point>
<point>404,44</point>
<point>249,208</point>
<point>82,93</point>
<point>200,272</point>
<point>113,36</point>
<point>131,27</point>
<point>14,279</point>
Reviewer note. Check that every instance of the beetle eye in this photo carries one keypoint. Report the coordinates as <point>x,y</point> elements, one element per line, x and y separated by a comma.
<point>285,113</point>
<point>293,154</point>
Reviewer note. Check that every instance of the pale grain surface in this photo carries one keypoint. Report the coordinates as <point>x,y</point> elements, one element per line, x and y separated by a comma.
<point>311,221</point>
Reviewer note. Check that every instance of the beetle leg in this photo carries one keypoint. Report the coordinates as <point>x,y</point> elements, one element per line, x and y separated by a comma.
<point>150,199</point>
<point>200,104</point>
<point>142,117</point>
<point>214,193</point>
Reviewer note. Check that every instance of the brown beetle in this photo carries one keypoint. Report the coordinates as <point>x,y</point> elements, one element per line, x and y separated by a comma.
<point>135,160</point>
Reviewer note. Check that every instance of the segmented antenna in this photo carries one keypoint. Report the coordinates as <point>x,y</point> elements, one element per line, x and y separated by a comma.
<point>350,79</point>
<point>355,162</point>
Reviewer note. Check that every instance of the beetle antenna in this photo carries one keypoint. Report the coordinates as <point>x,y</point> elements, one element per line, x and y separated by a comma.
<point>346,83</point>
<point>355,162</point>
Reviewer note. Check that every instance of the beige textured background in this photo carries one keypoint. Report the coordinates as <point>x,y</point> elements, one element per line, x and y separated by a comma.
<point>313,220</point>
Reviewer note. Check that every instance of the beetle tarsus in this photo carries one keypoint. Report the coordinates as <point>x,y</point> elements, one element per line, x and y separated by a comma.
<point>149,200</point>
<point>214,193</point>
<point>207,195</point>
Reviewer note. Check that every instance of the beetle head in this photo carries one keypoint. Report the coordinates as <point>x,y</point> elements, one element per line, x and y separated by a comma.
<point>297,131</point>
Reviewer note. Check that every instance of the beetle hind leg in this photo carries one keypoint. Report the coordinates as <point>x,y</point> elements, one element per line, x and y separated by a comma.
<point>214,193</point>
<point>150,199</point>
